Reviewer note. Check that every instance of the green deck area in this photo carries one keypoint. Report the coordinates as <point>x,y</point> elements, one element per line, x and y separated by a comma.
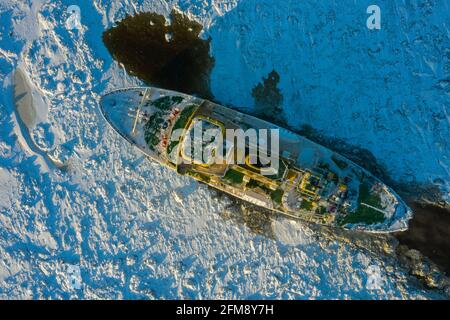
<point>233,176</point>
<point>166,102</point>
<point>184,117</point>
<point>252,184</point>
<point>277,195</point>
<point>181,123</point>
<point>365,214</point>
<point>152,129</point>
<point>306,205</point>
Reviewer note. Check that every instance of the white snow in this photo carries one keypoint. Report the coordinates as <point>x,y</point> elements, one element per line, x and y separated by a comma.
<point>113,213</point>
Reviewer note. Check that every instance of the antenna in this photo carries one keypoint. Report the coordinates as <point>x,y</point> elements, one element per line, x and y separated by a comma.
<point>138,111</point>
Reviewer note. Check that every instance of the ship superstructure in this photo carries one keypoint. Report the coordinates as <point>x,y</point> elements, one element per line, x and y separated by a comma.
<point>309,181</point>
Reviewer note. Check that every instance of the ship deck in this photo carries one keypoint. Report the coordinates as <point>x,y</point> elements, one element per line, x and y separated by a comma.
<point>327,184</point>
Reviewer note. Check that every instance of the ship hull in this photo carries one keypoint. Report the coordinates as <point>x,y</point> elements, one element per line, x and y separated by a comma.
<point>312,183</point>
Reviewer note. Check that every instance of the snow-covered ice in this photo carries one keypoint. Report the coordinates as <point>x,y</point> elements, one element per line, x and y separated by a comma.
<point>114,214</point>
